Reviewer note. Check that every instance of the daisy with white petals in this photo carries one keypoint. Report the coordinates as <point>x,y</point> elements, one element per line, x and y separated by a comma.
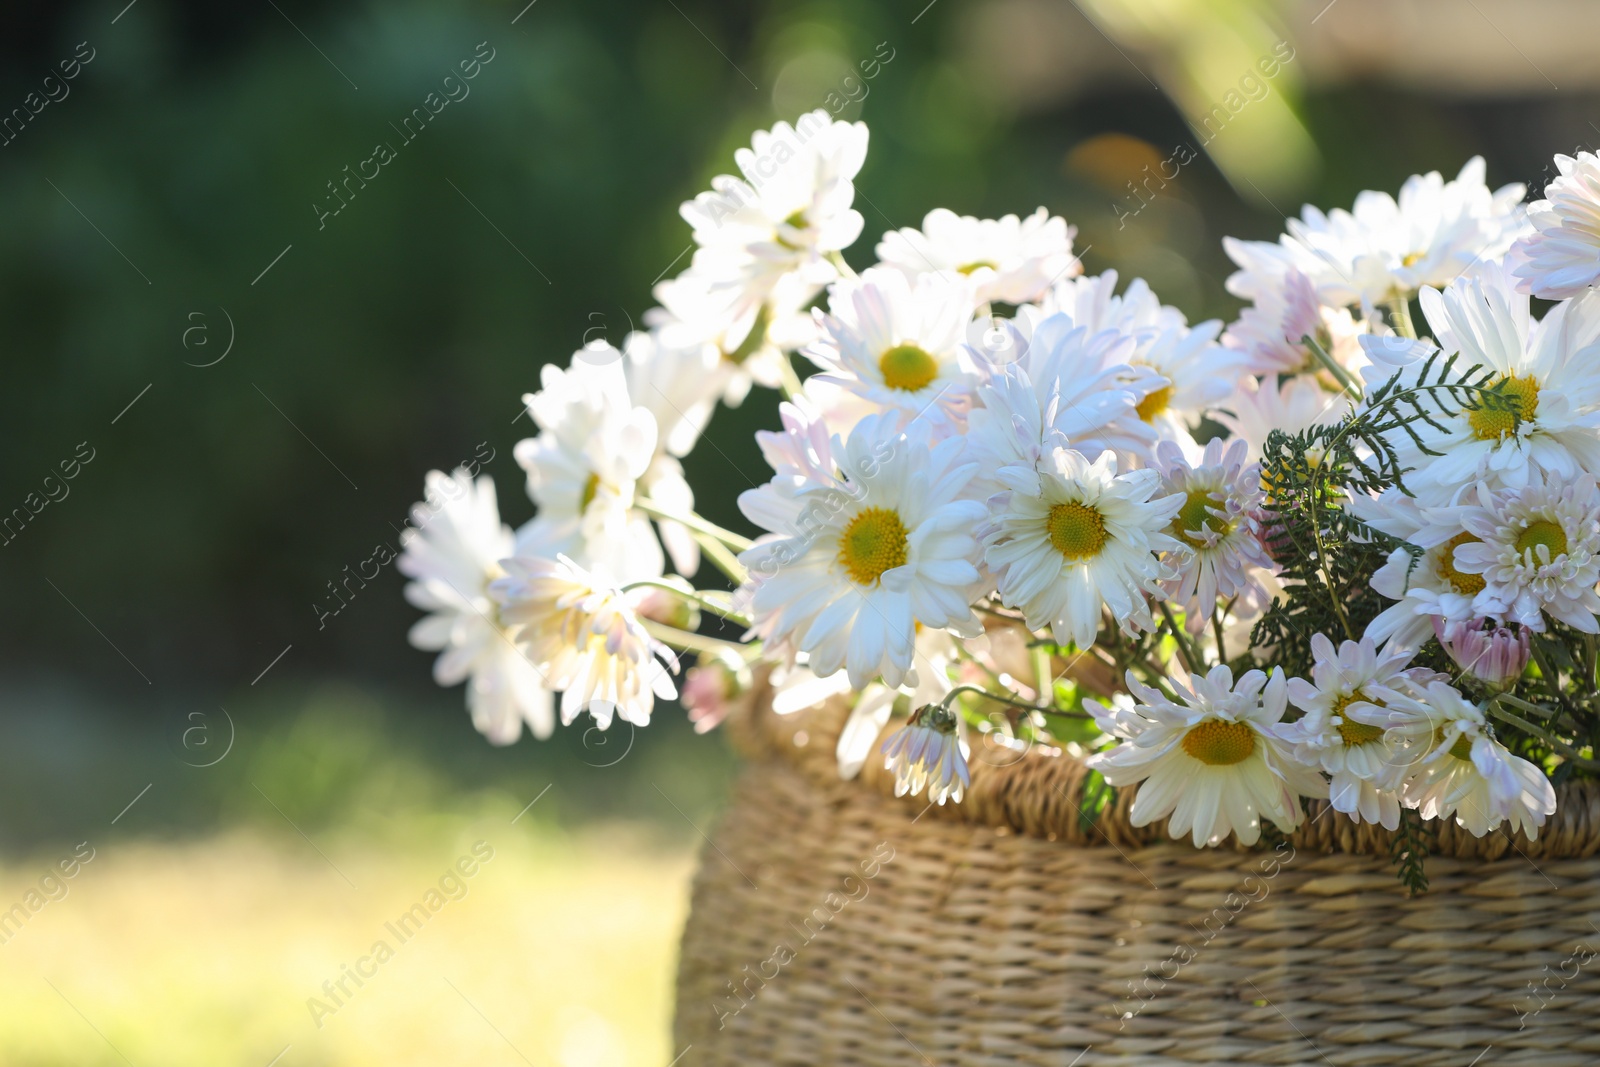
<point>929,751</point>
<point>584,633</point>
<point>1342,730</point>
<point>1010,259</point>
<point>1218,523</point>
<point>1561,258</point>
<point>451,553</point>
<point>898,344</point>
<point>1072,536</point>
<point>583,469</point>
<point>858,561</point>
<point>1452,765</point>
<point>1213,762</point>
<point>1537,553</point>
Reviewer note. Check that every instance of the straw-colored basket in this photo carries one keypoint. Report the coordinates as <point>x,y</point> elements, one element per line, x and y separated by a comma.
<point>835,925</point>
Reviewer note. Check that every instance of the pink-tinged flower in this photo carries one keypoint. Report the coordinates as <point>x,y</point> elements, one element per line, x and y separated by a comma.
<point>1495,657</point>
<point>1561,258</point>
<point>709,691</point>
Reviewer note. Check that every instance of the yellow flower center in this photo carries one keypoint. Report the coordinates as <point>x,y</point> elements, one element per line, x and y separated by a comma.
<point>1465,584</point>
<point>874,542</point>
<point>969,268</point>
<point>1410,259</point>
<point>1355,733</point>
<point>1194,515</point>
<point>1219,743</point>
<point>907,367</point>
<point>590,488</point>
<point>1154,404</point>
<point>1461,750</point>
<point>1490,425</point>
<point>1077,531</point>
<point>1542,532</point>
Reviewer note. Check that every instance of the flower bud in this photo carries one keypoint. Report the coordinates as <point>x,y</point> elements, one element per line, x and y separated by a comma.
<point>1494,657</point>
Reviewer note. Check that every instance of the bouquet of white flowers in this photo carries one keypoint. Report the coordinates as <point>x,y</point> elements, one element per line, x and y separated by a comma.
<point>1317,554</point>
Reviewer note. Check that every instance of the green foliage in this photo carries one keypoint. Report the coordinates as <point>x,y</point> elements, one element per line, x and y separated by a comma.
<point>1409,849</point>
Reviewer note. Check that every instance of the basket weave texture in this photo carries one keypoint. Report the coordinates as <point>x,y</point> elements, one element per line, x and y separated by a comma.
<point>833,924</point>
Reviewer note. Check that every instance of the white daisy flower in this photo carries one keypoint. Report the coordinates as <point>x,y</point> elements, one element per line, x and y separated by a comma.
<point>1426,582</point>
<point>583,468</point>
<point>1071,536</point>
<point>451,553</point>
<point>929,751</point>
<point>1069,385</point>
<point>1454,766</point>
<point>1010,260</point>
<point>1547,366</point>
<point>1193,372</point>
<point>1537,553</point>
<point>860,558</point>
<point>1271,334</point>
<point>1354,753</point>
<point>1213,762</point>
<point>584,633</point>
<point>899,343</point>
<point>1257,407</point>
<point>1217,523</point>
<point>1561,258</point>
<point>793,203</point>
<point>1383,247</point>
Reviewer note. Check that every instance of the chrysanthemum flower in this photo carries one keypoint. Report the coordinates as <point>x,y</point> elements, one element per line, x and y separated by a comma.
<point>1272,333</point>
<point>1546,366</point>
<point>1070,387</point>
<point>1561,258</point>
<point>1494,656</point>
<point>929,751</point>
<point>1452,765</point>
<point>583,632</point>
<point>451,559</point>
<point>1429,589</point>
<point>1218,525</point>
<point>1071,536</point>
<point>1010,259</point>
<point>1349,688</point>
<point>1213,762</point>
<point>1384,247</point>
<point>1537,554</point>
<point>1256,408</point>
<point>899,343</point>
<point>859,559</point>
<point>583,468</point>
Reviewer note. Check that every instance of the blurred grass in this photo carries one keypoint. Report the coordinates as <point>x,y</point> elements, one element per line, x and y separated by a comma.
<point>220,901</point>
<point>204,952</point>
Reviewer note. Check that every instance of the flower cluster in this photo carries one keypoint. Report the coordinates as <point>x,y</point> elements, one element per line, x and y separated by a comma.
<point>1315,553</point>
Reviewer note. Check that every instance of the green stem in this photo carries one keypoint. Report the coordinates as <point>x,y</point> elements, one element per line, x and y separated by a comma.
<point>1340,374</point>
<point>725,560</point>
<point>687,641</point>
<point>788,380</point>
<point>693,522</point>
<point>1401,306</point>
<point>837,259</point>
<point>1186,652</point>
<point>1561,747</point>
<point>693,596</point>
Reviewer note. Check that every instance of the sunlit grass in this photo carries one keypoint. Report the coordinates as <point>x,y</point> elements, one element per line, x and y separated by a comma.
<point>206,951</point>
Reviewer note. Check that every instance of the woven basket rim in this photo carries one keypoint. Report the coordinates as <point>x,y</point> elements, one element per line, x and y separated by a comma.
<point>1037,793</point>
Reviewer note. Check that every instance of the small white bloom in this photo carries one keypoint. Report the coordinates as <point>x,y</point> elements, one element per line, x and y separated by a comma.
<point>1010,260</point>
<point>858,558</point>
<point>1071,536</point>
<point>1538,554</point>
<point>1354,753</point>
<point>451,555</point>
<point>1213,762</point>
<point>583,468</point>
<point>1382,247</point>
<point>1272,333</point>
<point>1426,582</point>
<point>1548,366</point>
<point>898,343</point>
<point>1256,408</point>
<point>929,751</point>
<point>1217,523</point>
<point>1562,257</point>
<point>1452,765</point>
<point>584,633</point>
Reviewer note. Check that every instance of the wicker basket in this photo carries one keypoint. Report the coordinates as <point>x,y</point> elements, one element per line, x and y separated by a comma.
<point>833,924</point>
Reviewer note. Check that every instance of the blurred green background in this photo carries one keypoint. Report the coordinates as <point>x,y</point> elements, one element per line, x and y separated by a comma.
<point>165,203</point>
